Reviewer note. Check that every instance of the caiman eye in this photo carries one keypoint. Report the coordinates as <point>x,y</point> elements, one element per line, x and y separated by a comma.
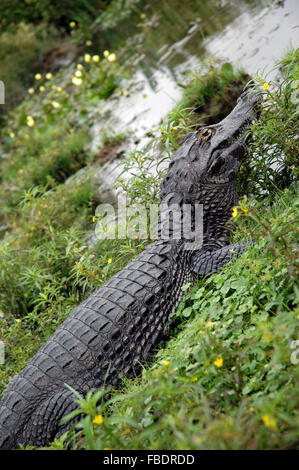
<point>204,134</point>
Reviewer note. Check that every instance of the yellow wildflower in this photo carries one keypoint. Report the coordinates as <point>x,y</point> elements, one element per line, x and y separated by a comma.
<point>26,293</point>
<point>59,89</point>
<point>93,219</point>
<point>72,24</point>
<point>235,211</point>
<point>267,337</point>
<point>42,88</point>
<point>269,421</point>
<point>208,324</point>
<point>18,320</point>
<point>109,261</point>
<point>31,91</point>
<point>78,73</point>
<point>96,58</point>
<point>49,76</point>
<point>12,135</point>
<point>55,104</point>
<point>80,66</point>
<point>112,57</point>
<point>142,160</point>
<point>266,86</point>
<point>76,81</point>
<point>165,363</point>
<point>218,362</point>
<point>30,121</point>
<point>87,57</point>
<point>88,42</point>
<point>98,419</point>
<point>38,76</point>
<point>142,16</point>
<point>106,53</point>
<point>21,171</point>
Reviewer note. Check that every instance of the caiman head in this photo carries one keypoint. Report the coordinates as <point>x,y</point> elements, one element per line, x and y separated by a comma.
<point>204,169</point>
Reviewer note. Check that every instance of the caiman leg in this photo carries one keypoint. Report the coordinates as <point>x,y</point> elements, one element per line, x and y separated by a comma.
<point>207,261</point>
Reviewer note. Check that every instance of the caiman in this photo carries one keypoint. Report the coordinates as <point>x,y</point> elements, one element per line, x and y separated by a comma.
<point>118,328</point>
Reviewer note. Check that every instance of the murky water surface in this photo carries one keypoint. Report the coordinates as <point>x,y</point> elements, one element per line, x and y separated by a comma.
<point>173,40</point>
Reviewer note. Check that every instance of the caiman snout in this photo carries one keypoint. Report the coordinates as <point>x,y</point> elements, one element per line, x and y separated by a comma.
<point>227,148</point>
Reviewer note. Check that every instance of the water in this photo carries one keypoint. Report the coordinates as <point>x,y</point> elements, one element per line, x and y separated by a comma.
<point>173,39</point>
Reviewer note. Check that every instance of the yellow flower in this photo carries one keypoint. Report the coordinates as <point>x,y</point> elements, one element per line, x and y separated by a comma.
<point>26,293</point>
<point>98,419</point>
<point>93,219</point>
<point>88,42</point>
<point>142,16</point>
<point>112,57</point>
<point>218,362</point>
<point>267,337</point>
<point>266,86</point>
<point>55,104</point>
<point>21,171</point>
<point>80,66</point>
<point>106,53</point>
<point>78,73</point>
<point>28,204</point>
<point>165,363</point>
<point>96,58</point>
<point>42,88</point>
<point>31,91</point>
<point>38,76</point>
<point>269,421</point>
<point>109,261</point>
<point>49,76</point>
<point>142,160</point>
<point>72,24</point>
<point>18,320</point>
<point>8,243</point>
<point>87,57</point>
<point>76,81</point>
<point>12,135</point>
<point>208,324</point>
<point>30,121</point>
<point>59,89</point>
<point>101,111</point>
<point>235,211</point>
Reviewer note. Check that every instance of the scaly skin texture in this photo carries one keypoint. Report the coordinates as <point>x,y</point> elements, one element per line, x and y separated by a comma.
<point>120,326</point>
